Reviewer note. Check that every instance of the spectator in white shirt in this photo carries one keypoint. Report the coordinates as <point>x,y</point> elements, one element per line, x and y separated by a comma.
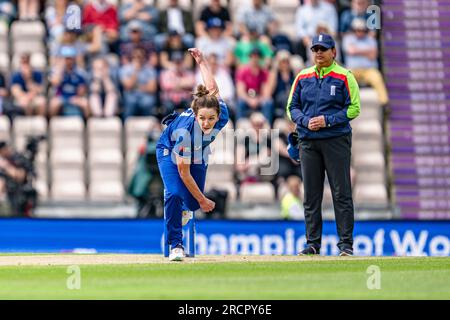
<point>215,42</point>
<point>259,15</point>
<point>307,18</point>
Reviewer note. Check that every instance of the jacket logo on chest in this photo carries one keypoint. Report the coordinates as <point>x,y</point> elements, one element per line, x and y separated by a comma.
<point>332,90</point>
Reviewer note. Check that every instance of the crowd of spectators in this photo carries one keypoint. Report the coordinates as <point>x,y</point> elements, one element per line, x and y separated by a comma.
<point>130,51</point>
<point>129,58</point>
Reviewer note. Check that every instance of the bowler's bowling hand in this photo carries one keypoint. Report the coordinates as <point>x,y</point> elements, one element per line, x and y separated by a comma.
<point>207,205</point>
<point>196,54</point>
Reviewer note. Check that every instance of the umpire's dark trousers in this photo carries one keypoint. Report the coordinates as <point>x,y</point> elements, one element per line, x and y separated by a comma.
<point>333,156</point>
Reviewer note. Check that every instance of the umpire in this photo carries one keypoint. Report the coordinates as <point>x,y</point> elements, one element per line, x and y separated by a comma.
<point>323,100</point>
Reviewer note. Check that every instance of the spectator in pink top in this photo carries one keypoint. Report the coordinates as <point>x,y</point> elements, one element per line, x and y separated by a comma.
<point>253,89</point>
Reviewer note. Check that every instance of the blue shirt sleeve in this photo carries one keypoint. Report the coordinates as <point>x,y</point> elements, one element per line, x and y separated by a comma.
<point>224,115</point>
<point>81,79</point>
<point>37,76</point>
<point>17,79</point>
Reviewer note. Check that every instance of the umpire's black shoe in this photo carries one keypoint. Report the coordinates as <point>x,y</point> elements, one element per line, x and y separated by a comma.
<point>346,253</point>
<point>309,251</point>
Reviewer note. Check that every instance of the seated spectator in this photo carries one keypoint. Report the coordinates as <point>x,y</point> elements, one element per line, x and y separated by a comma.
<point>215,42</point>
<point>307,17</point>
<point>251,151</point>
<point>3,93</point>
<point>224,82</point>
<point>143,13</point>
<point>253,89</point>
<point>139,86</point>
<point>251,40</point>
<point>361,53</point>
<point>259,15</point>
<point>291,203</point>
<point>91,45</point>
<point>29,9</point>
<point>177,84</point>
<point>104,14</point>
<point>136,40</point>
<point>69,86</point>
<point>27,89</point>
<point>103,97</point>
<point>7,12</point>
<point>178,19</point>
<point>358,10</point>
<point>214,10</point>
<point>69,38</point>
<point>281,78</point>
<point>54,19</point>
<point>279,40</point>
<point>174,46</point>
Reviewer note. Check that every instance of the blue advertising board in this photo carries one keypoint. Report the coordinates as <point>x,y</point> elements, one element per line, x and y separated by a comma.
<point>371,238</point>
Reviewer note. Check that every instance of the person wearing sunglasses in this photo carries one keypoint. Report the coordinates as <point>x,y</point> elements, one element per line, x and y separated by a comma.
<point>323,100</point>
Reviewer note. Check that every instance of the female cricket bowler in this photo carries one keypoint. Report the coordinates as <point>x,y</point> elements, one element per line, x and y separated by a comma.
<point>182,152</point>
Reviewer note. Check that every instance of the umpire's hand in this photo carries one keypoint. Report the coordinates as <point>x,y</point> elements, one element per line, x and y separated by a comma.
<point>316,123</point>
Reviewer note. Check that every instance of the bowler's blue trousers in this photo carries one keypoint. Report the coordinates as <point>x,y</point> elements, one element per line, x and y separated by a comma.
<point>177,197</point>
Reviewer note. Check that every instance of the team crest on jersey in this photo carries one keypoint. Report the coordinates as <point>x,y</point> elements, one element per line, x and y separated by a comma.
<point>333,91</point>
<point>187,113</point>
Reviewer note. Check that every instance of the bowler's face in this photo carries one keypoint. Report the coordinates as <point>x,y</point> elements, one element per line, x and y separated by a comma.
<point>207,119</point>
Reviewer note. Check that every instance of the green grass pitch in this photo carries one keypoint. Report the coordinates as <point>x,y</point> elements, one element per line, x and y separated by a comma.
<point>314,278</point>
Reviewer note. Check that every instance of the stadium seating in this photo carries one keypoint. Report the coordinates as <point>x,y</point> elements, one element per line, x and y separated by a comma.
<point>5,128</point>
<point>106,176</point>
<point>4,62</point>
<point>419,145</point>
<point>27,30</point>
<point>69,191</point>
<point>163,4</point>
<point>257,193</point>
<point>136,131</point>
<point>67,133</point>
<point>27,37</point>
<point>38,61</point>
<point>368,152</point>
<point>4,49</point>
<point>221,163</point>
<point>67,158</point>
<point>280,124</point>
<point>371,194</point>
<point>3,33</point>
<point>105,159</point>
<point>104,134</point>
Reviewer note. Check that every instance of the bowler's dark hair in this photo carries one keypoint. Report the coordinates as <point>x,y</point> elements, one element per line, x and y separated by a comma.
<point>204,100</point>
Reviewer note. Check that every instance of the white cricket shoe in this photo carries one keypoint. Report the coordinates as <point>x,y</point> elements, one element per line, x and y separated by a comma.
<point>176,254</point>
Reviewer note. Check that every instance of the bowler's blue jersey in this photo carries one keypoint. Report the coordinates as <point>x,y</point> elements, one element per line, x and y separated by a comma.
<point>184,136</point>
